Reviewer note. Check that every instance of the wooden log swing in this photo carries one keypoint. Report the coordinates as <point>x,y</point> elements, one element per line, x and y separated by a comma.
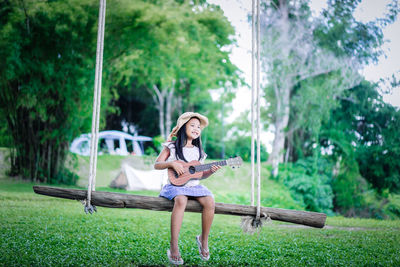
<point>120,200</point>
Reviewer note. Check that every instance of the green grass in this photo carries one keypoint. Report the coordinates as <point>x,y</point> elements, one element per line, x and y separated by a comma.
<point>40,230</point>
<point>44,231</point>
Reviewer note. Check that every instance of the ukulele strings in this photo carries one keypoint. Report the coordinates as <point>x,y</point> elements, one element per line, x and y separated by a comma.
<point>208,166</point>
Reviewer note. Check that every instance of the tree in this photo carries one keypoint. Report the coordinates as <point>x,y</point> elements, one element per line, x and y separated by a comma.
<point>173,51</point>
<point>47,50</point>
<point>339,32</point>
<point>291,56</point>
<point>370,126</point>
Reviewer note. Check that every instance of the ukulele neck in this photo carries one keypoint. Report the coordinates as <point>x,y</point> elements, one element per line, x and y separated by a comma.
<point>206,167</point>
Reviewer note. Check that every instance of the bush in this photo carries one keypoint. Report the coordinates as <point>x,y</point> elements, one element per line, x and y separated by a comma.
<point>309,182</point>
<point>353,198</point>
<point>392,208</point>
<point>155,147</point>
<point>150,151</point>
<point>157,142</point>
<point>349,188</point>
<point>66,177</point>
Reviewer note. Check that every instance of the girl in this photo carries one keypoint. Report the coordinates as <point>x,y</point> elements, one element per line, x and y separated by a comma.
<point>187,147</point>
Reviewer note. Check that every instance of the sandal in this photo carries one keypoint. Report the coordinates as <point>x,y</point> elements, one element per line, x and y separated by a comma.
<point>172,261</point>
<point>201,249</point>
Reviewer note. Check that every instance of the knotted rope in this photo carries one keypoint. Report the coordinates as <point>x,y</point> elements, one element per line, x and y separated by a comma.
<point>96,108</point>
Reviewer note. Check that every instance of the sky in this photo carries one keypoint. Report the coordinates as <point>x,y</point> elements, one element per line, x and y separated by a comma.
<point>237,11</point>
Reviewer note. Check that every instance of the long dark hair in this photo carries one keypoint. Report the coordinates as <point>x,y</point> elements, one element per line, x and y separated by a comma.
<point>181,142</point>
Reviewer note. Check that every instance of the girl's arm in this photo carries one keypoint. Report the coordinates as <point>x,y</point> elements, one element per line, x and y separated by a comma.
<point>162,164</point>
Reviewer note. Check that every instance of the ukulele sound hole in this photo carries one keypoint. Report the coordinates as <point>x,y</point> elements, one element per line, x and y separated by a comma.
<point>192,169</point>
<point>176,174</point>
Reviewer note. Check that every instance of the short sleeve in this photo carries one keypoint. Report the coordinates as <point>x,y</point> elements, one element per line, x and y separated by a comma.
<point>171,147</point>
<point>168,145</point>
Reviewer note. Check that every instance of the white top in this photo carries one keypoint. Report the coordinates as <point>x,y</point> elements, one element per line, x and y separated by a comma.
<point>190,153</point>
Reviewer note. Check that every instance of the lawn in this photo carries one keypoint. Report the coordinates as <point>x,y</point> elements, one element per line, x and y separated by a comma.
<point>40,230</point>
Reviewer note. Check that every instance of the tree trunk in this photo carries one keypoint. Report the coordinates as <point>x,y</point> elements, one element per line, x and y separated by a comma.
<point>169,109</point>
<point>159,101</point>
<point>282,120</point>
<point>287,154</point>
<point>164,99</point>
<point>282,95</point>
<point>32,158</point>
<point>161,118</point>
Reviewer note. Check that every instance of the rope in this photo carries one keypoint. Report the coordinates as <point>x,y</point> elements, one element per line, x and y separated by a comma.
<point>96,107</point>
<point>252,98</point>
<point>258,115</point>
<point>251,224</point>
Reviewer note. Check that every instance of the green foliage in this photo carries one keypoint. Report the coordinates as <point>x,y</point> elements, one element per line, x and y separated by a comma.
<point>156,147</point>
<point>241,146</point>
<point>46,75</point>
<point>354,198</point>
<point>349,189</point>
<point>304,78</point>
<point>311,104</point>
<point>66,177</point>
<point>379,149</point>
<point>276,195</point>
<point>392,208</point>
<point>168,54</point>
<point>379,206</point>
<point>364,129</point>
<point>344,35</point>
<point>158,141</point>
<point>336,30</point>
<point>361,128</point>
<point>373,206</point>
<point>309,182</point>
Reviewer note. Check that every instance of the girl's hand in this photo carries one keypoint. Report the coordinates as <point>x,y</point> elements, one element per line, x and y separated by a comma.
<point>178,167</point>
<point>215,168</point>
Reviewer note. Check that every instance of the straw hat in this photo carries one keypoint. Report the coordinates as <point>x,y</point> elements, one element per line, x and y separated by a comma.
<point>184,118</point>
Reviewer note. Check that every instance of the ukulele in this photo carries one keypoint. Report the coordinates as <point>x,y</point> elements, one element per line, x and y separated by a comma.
<point>194,170</point>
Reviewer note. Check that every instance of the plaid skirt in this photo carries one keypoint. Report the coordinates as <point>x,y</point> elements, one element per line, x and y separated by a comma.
<point>171,191</point>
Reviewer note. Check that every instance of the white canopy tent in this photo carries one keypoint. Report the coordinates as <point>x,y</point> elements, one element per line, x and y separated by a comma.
<point>134,180</point>
<point>111,142</point>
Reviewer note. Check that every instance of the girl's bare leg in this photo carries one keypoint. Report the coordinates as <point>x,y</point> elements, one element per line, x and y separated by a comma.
<point>206,220</point>
<point>176,222</point>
